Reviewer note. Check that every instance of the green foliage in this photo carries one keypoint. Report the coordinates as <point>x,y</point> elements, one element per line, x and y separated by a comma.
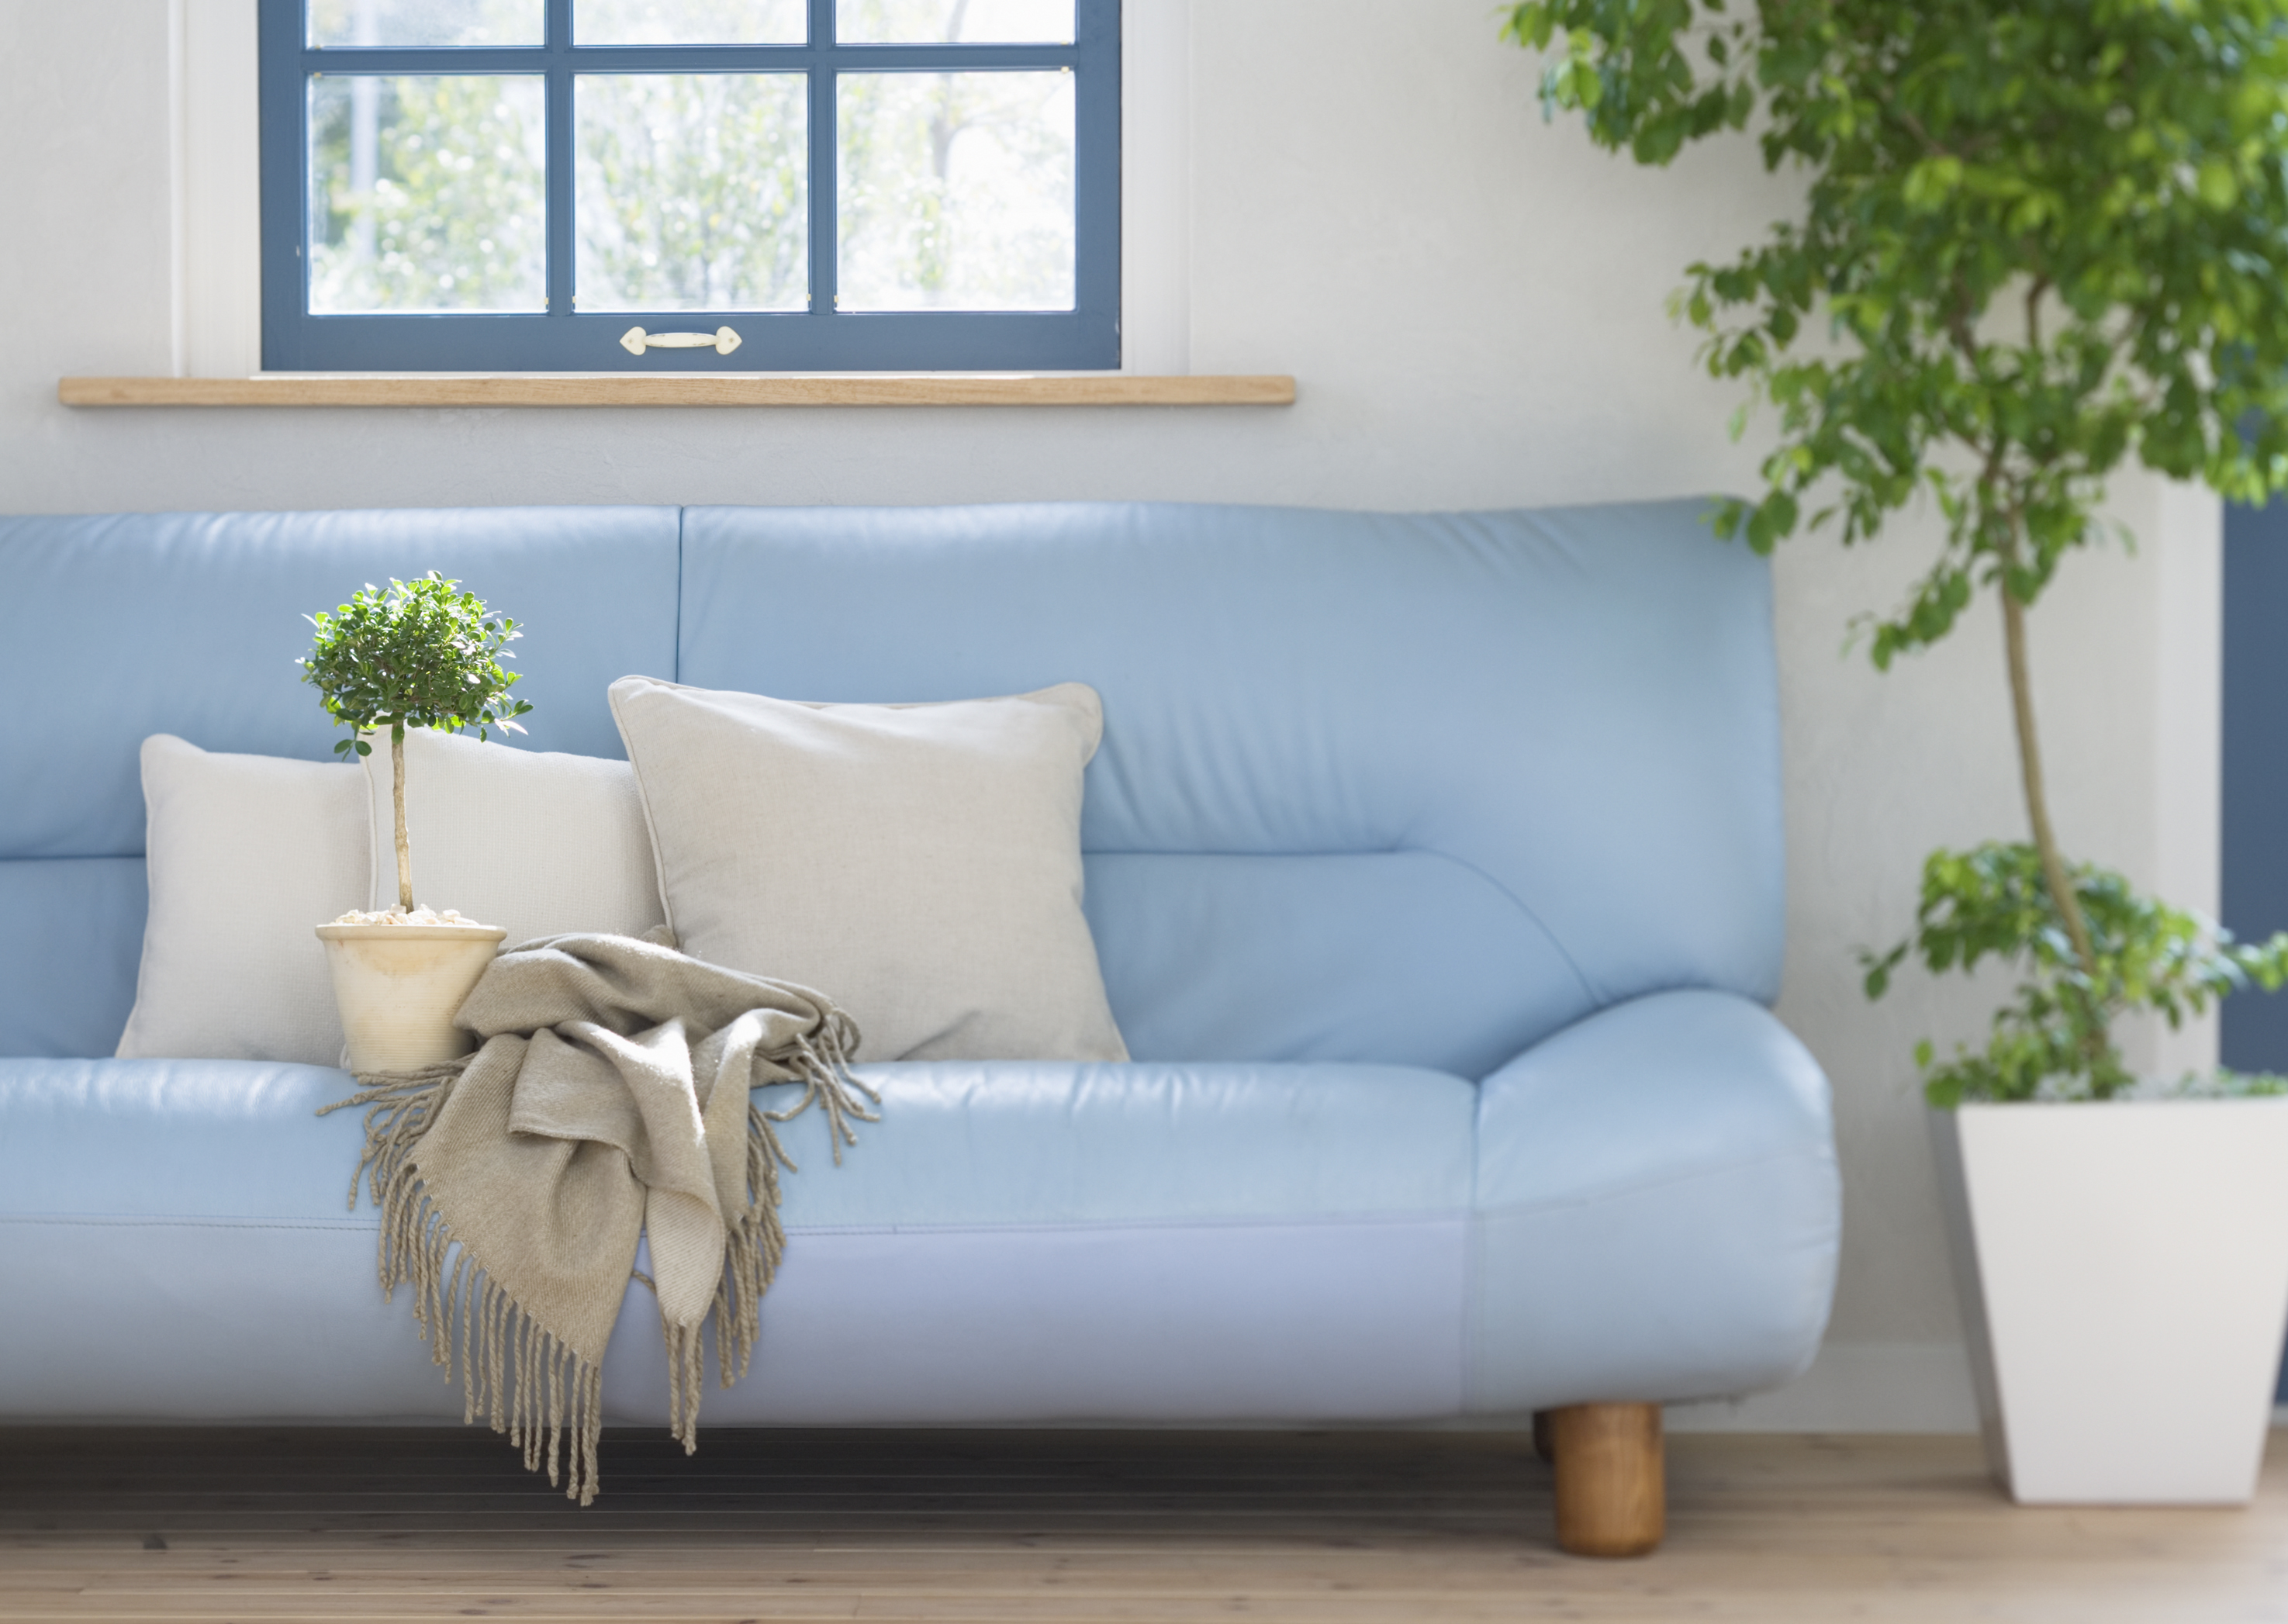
<point>2043,237</point>
<point>2053,1040</point>
<point>455,215</point>
<point>2222,1084</point>
<point>417,655</point>
<point>2038,238</point>
<point>428,191</point>
<point>693,192</point>
<point>910,234</point>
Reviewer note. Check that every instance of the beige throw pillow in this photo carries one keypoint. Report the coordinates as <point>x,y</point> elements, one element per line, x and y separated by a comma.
<point>917,864</point>
<point>537,842</point>
<point>247,855</point>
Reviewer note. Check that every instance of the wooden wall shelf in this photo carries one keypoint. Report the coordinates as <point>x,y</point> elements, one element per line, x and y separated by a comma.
<point>681,388</point>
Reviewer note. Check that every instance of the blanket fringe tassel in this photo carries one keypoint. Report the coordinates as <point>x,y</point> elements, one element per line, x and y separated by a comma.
<point>514,1373</point>
<point>757,1240</point>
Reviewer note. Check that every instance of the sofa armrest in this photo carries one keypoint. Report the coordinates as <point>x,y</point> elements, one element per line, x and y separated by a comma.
<point>1657,1208</point>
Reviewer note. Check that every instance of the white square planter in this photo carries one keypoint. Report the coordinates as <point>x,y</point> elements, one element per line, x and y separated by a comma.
<point>2124,1272</point>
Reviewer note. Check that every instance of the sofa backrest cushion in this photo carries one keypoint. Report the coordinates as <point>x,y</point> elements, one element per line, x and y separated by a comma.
<point>1408,788</point>
<point>119,626</point>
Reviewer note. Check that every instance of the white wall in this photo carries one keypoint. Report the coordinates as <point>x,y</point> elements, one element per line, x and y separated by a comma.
<point>1473,304</point>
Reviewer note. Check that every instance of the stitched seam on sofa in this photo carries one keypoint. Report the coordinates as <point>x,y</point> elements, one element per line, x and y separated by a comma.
<point>1608,1193</point>
<point>982,1227</point>
<point>1055,1226</point>
<point>68,857</point>
<point>139,1221</point>
<point>77,857</point>
<point>1249,852</point>
<point>1596,999</point>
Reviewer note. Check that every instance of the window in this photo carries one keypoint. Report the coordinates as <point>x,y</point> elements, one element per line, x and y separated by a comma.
<point>650,186</point>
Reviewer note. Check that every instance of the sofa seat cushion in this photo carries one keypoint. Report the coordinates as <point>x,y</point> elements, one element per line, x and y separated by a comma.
<point>1013,1242</point>
<point>1643,1206</point>
<point>199,1140</point>
<point>967,1143</point>
<point>176,1245</point>
<point>961,1143</point>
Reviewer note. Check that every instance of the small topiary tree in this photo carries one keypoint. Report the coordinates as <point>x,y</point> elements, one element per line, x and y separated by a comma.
<point>417,655</point>
<point>2042,237</point>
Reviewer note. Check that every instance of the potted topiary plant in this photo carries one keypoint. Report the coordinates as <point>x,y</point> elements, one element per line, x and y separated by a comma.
<point>2041,240</point>
<point>420,654</point>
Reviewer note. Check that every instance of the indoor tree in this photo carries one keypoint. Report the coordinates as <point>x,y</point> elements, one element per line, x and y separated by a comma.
<point>2037,240</point>
<point>419,654</point>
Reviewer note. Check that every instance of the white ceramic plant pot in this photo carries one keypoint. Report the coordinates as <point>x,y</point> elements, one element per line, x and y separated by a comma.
<point>398,986</point>
<point>2124,1272</point>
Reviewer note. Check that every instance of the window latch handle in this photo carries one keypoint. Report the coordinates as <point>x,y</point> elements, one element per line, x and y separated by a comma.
<point>635,341</point>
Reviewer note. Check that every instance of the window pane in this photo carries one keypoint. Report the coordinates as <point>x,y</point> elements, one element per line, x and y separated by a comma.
<point>692,192</point>
<point>427,192</point>
<point>427,24</point>
<point>991,22</point>
<point>689,23</point>
<point>957,191</point>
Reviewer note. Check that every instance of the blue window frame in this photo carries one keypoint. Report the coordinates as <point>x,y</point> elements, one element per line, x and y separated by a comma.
<point>551,333</point>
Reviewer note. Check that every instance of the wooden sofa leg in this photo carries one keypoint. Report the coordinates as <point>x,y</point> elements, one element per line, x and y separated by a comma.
<point>1611,1497</point>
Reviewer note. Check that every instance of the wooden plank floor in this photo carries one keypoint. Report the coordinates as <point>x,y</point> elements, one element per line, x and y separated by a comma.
<point>268,1526</point>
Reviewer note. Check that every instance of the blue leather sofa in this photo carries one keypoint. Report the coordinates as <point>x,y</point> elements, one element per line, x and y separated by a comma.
<point>1435,862</point>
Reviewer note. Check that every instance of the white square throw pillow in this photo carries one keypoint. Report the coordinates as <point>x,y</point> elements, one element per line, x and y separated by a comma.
<point>534,842</point>
<point>918,864</point>
<point>247,855</point>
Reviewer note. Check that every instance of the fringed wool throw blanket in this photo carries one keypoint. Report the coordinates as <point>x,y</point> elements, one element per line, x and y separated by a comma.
<point>608,1101</point>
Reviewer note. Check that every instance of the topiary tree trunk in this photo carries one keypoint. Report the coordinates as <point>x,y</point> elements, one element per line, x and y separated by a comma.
<point>397,805</point>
